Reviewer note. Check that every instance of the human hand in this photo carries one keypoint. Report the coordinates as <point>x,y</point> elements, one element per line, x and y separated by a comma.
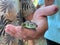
<point>40,18</point>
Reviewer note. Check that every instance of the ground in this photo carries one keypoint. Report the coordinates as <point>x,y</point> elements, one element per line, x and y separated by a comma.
<point>41,41</point>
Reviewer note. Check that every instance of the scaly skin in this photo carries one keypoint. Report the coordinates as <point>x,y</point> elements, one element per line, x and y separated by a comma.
<point>29,25</point>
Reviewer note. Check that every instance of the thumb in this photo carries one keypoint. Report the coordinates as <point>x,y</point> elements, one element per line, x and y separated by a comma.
<point>46,11</point>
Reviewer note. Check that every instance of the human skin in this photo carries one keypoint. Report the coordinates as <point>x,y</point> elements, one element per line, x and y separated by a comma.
<point>40,18</point>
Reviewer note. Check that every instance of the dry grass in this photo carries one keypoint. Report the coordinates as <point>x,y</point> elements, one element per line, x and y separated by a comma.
<point>37,42</point>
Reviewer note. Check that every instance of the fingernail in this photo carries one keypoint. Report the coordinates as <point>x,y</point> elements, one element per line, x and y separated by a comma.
<point>56,9</point>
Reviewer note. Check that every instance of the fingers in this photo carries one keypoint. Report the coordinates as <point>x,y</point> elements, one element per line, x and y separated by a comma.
<point>15,31</point>
<point>19,33</point>
<point>46,11</point>
<point>10,29</point>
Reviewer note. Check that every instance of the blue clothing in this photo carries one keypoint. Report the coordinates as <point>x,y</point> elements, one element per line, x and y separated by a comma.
<point>40,2</point>
<point>53,32</point>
